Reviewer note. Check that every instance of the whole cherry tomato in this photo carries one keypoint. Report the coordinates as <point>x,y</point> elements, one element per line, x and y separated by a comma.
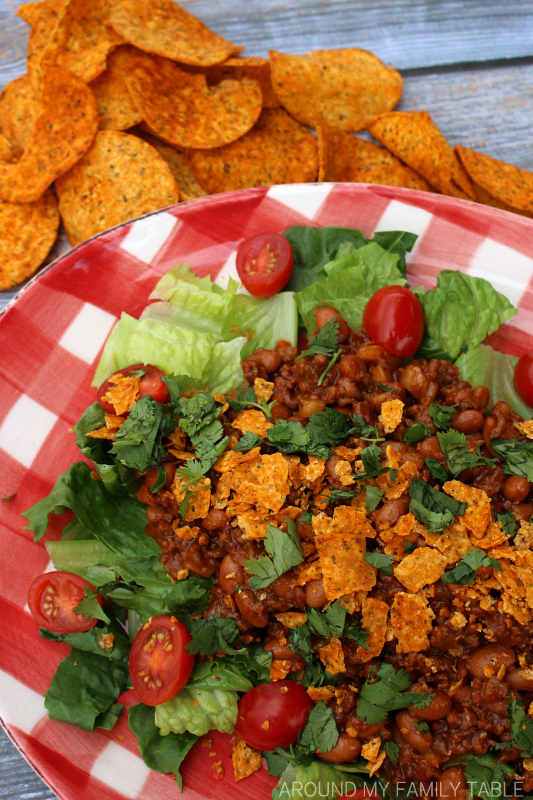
<point>264,263</point>
<point>394,319</point>
<point>523,377</point>
<point>272,715</point>
<point>150,384</point>
<point>52,598</point>
<point>159,666</point>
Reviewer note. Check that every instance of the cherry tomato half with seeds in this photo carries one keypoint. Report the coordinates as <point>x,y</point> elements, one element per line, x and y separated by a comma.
<point>264,263</point>
<point>523,377</point>
<point>52,598</point>
<point>150,384</point>
<point>272,715</point>
<point>159,666</point>
<point>394,319</point>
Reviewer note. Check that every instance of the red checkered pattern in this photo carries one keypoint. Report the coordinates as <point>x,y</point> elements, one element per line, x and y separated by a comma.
<point>51,338</point>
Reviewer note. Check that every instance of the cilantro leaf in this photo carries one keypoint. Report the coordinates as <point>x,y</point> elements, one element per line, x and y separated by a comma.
<point>213,635</point>
<point>138,440</point>
<point>518,456</point>
<point>90,607</point>
<point>289,437</point>
<point>370,458</point>
<point>306,516</point>
<point>383,387</point>
<point>373,496</point>
<point>209,443</point>
<point>353,631</point>
<point>332,361</point>
<point>341,494</point>
<point>325,342</point>
<point>248,442</point>
<point>521,727</point>
<point>328,427</point>
<point>196,412</point>
<point>416,433</point>
<point>508,523</point>
<point>285,551</point>
<point>436,470</point>
<point>159,481</point>
<point>381,561</point>
<point>324,430</point>
<point>362,429</point>
<point>441,416</point>
<point>300,642</point>
<point>384,691</point>
<point>458,456</point>
<point>423,727</point>
<point>392,749</point>
<point>464,571</point>
<point>487,777</point>
<point>320,733</point>
<point>434,509</point>
<point>326,623</point>
<point>408,547</point>
<point>246,399</point>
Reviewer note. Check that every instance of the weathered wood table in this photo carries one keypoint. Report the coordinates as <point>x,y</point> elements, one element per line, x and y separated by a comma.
<point>468,62</point>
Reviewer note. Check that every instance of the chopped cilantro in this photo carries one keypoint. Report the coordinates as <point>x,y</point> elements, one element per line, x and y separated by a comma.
<point>392,749</point>
<point>384,388</point>
<point>508,523</point>
<point>416,433</point>
<point>434,509</point>
<point>159,481</point>
<point>518,456</point>
<point>381,561</point>
<point>362,429</point>
<point>325,343</point>
<point>436,470</point>
<point>248,442</point>
<point>300,642</point>
<point>464,571</point>
<point>138,441</point>
<point>487,777</point>
<point>196,412</point>
<point>373,496</point>
<point>332,361</point>
<point>353,631</point>
<point>370,458</point>
<point>341,494</point>
<point>458,456</point>
<point>328,427</point>
<point>326,623</point>
<point>306,517</point>
<point>320,733</point>
<point>246,399</point>
<point>384,691</point>
<point>284,552</point>
<point>408,547</point>
<point>393,474</point>
<point>521,727</point>
<point>441,416</point>
<point>289,437</point>
<point>213,635</point>
<point>423,727</point>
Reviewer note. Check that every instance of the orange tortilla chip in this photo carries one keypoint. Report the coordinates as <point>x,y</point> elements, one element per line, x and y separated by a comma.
<point>177,161</point>
<point>332,656</point>
<point>391,414</point>
<point>231,459</point>
<point>19,108</point>
<point>252,420</point>
<point>183,110</point>
<point>43,18</point>
<point>454,542</point>
<point>318,693</point>
<point>374,614</point>
<point>116,109</point>
<point>6,151</point>
<point>346,159</point>
<point>416,140</point>
<point>164,28</point>
<point>200,499</point>
<point>123,177</point>
<point>277,150</point>
<point>292,619</point>
<point>245,759</point>
<point>341,545</point>
<point>310,572</point>
<point>411,622</point>
<point>251,67</point>
<point>311,473</point>
<point>504,183</point>
<point>263,389</point>
<point>280,668</point>
<point>63,131</point>
<point>420,568</point>
<point>477,515</point>
<point>342,88</point>
<point>123,393</point>
<point>525,427</point>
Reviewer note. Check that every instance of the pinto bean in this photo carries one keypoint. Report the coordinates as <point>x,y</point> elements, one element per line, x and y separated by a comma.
<point>452,784</point>
<point>439,707</point>
<point>469,421</point>
<point>414,380</point>
<point>216,518</point>
<point>363,730</point>
<point>520,679</point>
<point>252,610</point>
<point>278,649</point>
<point>390,512</point>
<point>346,749</point>
<point>150,476</point>
<point>269,359</point>
<point>231,575</point>
<point>326,314</point>
<point>352,367</point>
<point>516,488</point>
<point>315,595</point>
<point>417,739</point>
<point>493,656</point>
<point>430,448</point>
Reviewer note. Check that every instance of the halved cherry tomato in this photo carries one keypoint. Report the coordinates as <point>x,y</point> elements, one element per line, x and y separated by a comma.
<point>264,263</point>
<point>523,377</point>
<point>272,715</point>
<point>159,666</point>
<point>150,383</point>
<point>52,598</point>
<point>394,319</point>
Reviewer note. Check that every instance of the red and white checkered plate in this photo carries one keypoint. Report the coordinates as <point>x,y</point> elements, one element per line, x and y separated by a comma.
<point>51,337</point>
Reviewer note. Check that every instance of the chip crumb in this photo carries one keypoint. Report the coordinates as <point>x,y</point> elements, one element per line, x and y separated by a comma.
<point>391,414</point>
<point>245,759</point>
<point>371,749</point>
<point>458,620</point>
<point>265,725</point>
<point>477,516</point>
<point>411,619</point>
<point>263,389</point>
<point>332,656</point>
<point>280,668</point>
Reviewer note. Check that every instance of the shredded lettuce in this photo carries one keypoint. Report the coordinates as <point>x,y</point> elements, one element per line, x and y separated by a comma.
<point>483,366</point>
<point>263,322</point>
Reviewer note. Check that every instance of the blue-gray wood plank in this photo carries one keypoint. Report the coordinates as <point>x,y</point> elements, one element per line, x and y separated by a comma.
<point>468,62</point>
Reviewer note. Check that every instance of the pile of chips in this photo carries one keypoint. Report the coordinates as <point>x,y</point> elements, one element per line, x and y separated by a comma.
<point>132,106</point>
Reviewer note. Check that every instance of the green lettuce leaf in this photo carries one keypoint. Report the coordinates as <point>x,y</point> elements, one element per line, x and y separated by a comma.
<point>178,275</point>
<point>93,641</point>
<point>300,781</point>
<point>483,366</point>
<point>463,310</point>
<point>350,283</point>
<point>262,321</point>
<point>115,355</point>
<point>223,371</point>
<point>198,711</point>
<point>164,754</point>
<point>175,350</point>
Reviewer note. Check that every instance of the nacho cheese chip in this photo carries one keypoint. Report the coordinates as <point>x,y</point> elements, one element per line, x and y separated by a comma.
<point>252,67</point>
<point>253,420</point>
<point>277,150</point>
<point>63,131</point>
<point>164,28</point>
<point>411,621</point>
<point>508,186</point>
<point>420,568</point>
<point>116,109</point>
<point>245,760</point>
<point>123,392</point>
<point>391,414</point>
<point>346,159</point>
<point>183,110</point>
<point>27,232</point>
<point>477,515</point>
<point>123,177</point>
<point>200,499</point>
<point>43,18</point>
<point>332,656</point>
<point>19,108</point>
<point>525,427</point>
<point>374,614</point>
<point>342,88</point>
<point>177,161</point>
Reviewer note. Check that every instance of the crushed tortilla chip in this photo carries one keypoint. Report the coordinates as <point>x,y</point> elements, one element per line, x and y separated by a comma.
<point>310,474</point>
<point>324,693</point>
<point>525,427</point>
<point>377,763</point>
<point>103,433</point>
<point>252,420</point>
<point>184,532</point>
<point>411,621</point>
<point>406,473</point>
<point>123,392</point>
<point>293,465</point>
<point>199,499</point>
<point>420,568</point>
<point>231,459</point>
<point>454,542</point>
<point>374,615</point>
<point>19,109</point>
<point>343,471</point>
<point>371,749</point>
<point>458,620</point>
<point>477,515</point>
<point>341,544</point>
<point>524,537</point>
<point>347,453</point>
<point>245,759</point>
<point>263,389</point>
<point>332,656</point>
<point>292,619</point>
<point>252,67</point>
<point>391,414</point>
<point>309,572</point>
<point>280,668</point>
<point>254,524</point>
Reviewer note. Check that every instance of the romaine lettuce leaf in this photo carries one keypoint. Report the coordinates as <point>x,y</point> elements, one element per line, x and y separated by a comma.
<point>179,274</point>
<point>223,372</point>
<point>351,282</point>
<point>115,354</point>
<point>463,310</point>
<point>483,366</point>
<point>262,321</point>
<point>175,350</point>
<point>164,754</point>
<point>198,711</point>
